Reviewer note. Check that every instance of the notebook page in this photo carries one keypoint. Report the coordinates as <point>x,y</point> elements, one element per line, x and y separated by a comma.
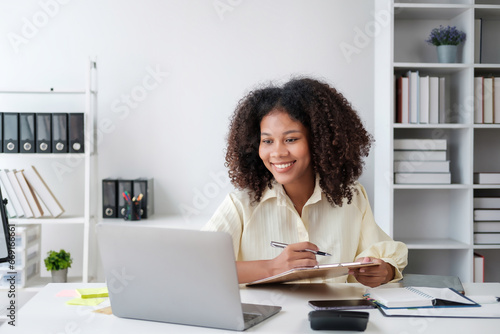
<point>399,297</point>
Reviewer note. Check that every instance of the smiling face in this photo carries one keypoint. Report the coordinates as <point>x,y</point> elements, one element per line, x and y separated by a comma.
<point>284,149</point>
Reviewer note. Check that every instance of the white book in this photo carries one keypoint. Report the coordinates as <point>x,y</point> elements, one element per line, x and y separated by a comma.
<point>487,238</point>
<point>422,178</point>
<point>11,211</point>
<point>42,190</point>
<point>11,193</point>
<point>28,213</point>
<point>496,100</point>
<point>487,178</point>
<point>487,226</point>
<point>419,155</point>
<point>486,215</point>
<point>414,88</point>
<point>434,100</point>
<point>486,202</point>
<point>421,166</point>
<point>424,100</point>
<point>478,100</point>
<point>420,144</point>
<point>478,268</point>
<point>442,100</point>
<point>28,193</point>
<point>488,100</point>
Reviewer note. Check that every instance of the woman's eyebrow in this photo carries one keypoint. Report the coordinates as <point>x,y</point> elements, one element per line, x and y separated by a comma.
<point>285,133</point>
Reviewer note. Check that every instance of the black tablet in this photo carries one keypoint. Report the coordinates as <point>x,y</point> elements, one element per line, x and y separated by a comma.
<point>4,231</point>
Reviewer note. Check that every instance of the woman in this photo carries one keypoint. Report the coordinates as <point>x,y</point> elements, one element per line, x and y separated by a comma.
<point>295,153</point>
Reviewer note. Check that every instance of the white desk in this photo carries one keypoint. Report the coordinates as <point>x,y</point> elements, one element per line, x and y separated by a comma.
<point>46,313</point>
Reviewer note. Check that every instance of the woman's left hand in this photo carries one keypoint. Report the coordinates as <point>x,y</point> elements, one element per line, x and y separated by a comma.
<point>375,275</point>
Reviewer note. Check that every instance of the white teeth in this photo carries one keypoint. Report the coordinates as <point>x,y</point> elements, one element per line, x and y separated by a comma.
<point>284,165</point>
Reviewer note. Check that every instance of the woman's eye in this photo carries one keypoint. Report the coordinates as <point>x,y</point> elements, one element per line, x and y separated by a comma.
<point>291,140</point>
<point>267,141</point>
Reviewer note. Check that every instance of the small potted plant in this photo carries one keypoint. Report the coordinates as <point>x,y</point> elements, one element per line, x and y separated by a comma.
<point>447,40</point>
<point>58,263</point>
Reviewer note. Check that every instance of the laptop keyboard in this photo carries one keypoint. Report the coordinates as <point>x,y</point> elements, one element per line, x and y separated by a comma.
<point>249,316</point>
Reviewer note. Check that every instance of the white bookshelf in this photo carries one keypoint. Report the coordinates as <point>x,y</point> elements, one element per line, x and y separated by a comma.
<point>435,221</point>
<point>71,176</point>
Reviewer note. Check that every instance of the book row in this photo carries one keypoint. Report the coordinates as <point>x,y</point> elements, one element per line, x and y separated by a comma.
<point>27,194</point>
<point>42,132</point>
<point>118,195</point>
<point>486,100</point>
<point>421,161</point>
<point>487,220</point>
<point>420,99</point>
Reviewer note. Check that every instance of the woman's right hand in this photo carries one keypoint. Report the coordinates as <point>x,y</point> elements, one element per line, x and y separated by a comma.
<point>294,256</point>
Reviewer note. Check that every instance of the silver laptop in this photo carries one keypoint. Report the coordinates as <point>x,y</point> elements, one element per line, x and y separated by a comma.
<point>172,275</point>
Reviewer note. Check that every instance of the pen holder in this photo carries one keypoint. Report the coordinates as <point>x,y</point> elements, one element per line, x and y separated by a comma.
<point>133,210</point>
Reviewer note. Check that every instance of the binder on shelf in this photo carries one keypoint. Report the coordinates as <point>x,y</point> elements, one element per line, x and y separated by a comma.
<point>486,238</point>
<point>29,194</point>
<point>478,100</point>
<point>7,186</point>
<point>1,132</point>
<point>487,226</point>
<point>145,187</point>
<point>420,144</point>
<point>414,94</point>
<point>60,133</point>
<point>496,101</point>
<point>486,202</point>
<point>434,100</point>
<point>478,268</point>
<point>76,132</point>
<point>422,178</point>
<point>11,132</point>
<point>43,133</point>
<point>36,182</point>
<point>109,198</point>
<point>486,214</point>
<point>424,100</point>
<point>487,178</point>
<point>123,185</point>
<point>442,100</point>
<point>421,166</point>
<point>488,100</point>
<point>27,132</point>
<point>28,213</point>
<point>402,95</point>
<point>420,155</point>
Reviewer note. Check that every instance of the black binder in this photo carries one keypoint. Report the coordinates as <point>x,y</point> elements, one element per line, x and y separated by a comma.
<point>123,185</point>
<point>76,132</point>
<point>43,133</point>
<point>1,132</point>
<point>27,132</point>
<point>109,198</point>
<point>11,132</point>
<point>145,187</point>
<point>60,133</point>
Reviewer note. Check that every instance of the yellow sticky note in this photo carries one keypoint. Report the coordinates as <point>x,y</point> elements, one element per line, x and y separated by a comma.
<point>85,302</point>
<point>93,292</point>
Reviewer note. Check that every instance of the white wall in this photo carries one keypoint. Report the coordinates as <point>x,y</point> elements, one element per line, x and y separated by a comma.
<point>208,53</point>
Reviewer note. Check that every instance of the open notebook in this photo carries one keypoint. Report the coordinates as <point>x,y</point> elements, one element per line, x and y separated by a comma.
<point>415,297</point>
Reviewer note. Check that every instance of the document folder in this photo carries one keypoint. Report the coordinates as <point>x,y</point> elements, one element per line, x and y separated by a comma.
<point>123,185</point>
<point>145,187</point>
<point>27,132</point>
<point>109,198</point>
<point>1,132</point>
<point>43,133</point>
<point>60,133</point>
<point>76,132</point>
<point>11,132</point>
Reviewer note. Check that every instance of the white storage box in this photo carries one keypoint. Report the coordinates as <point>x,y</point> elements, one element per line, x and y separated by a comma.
<point>25,235</point>
<point>23,256</point>
<point>21,276</point>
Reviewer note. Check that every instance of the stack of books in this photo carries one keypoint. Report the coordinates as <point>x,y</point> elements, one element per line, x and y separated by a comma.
<point>27,194</point>
<point>420,99</point>
<point>421,161</point>
<point>487,220</point>
<point>486,100</point>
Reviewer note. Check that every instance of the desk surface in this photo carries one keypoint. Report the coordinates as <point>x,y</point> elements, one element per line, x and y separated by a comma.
<point>46,313</point>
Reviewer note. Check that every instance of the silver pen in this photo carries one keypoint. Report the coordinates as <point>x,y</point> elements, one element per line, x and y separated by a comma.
<point>283,245</point>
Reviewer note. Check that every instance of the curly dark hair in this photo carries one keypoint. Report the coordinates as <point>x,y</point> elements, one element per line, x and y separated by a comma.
<point>337,139</point>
